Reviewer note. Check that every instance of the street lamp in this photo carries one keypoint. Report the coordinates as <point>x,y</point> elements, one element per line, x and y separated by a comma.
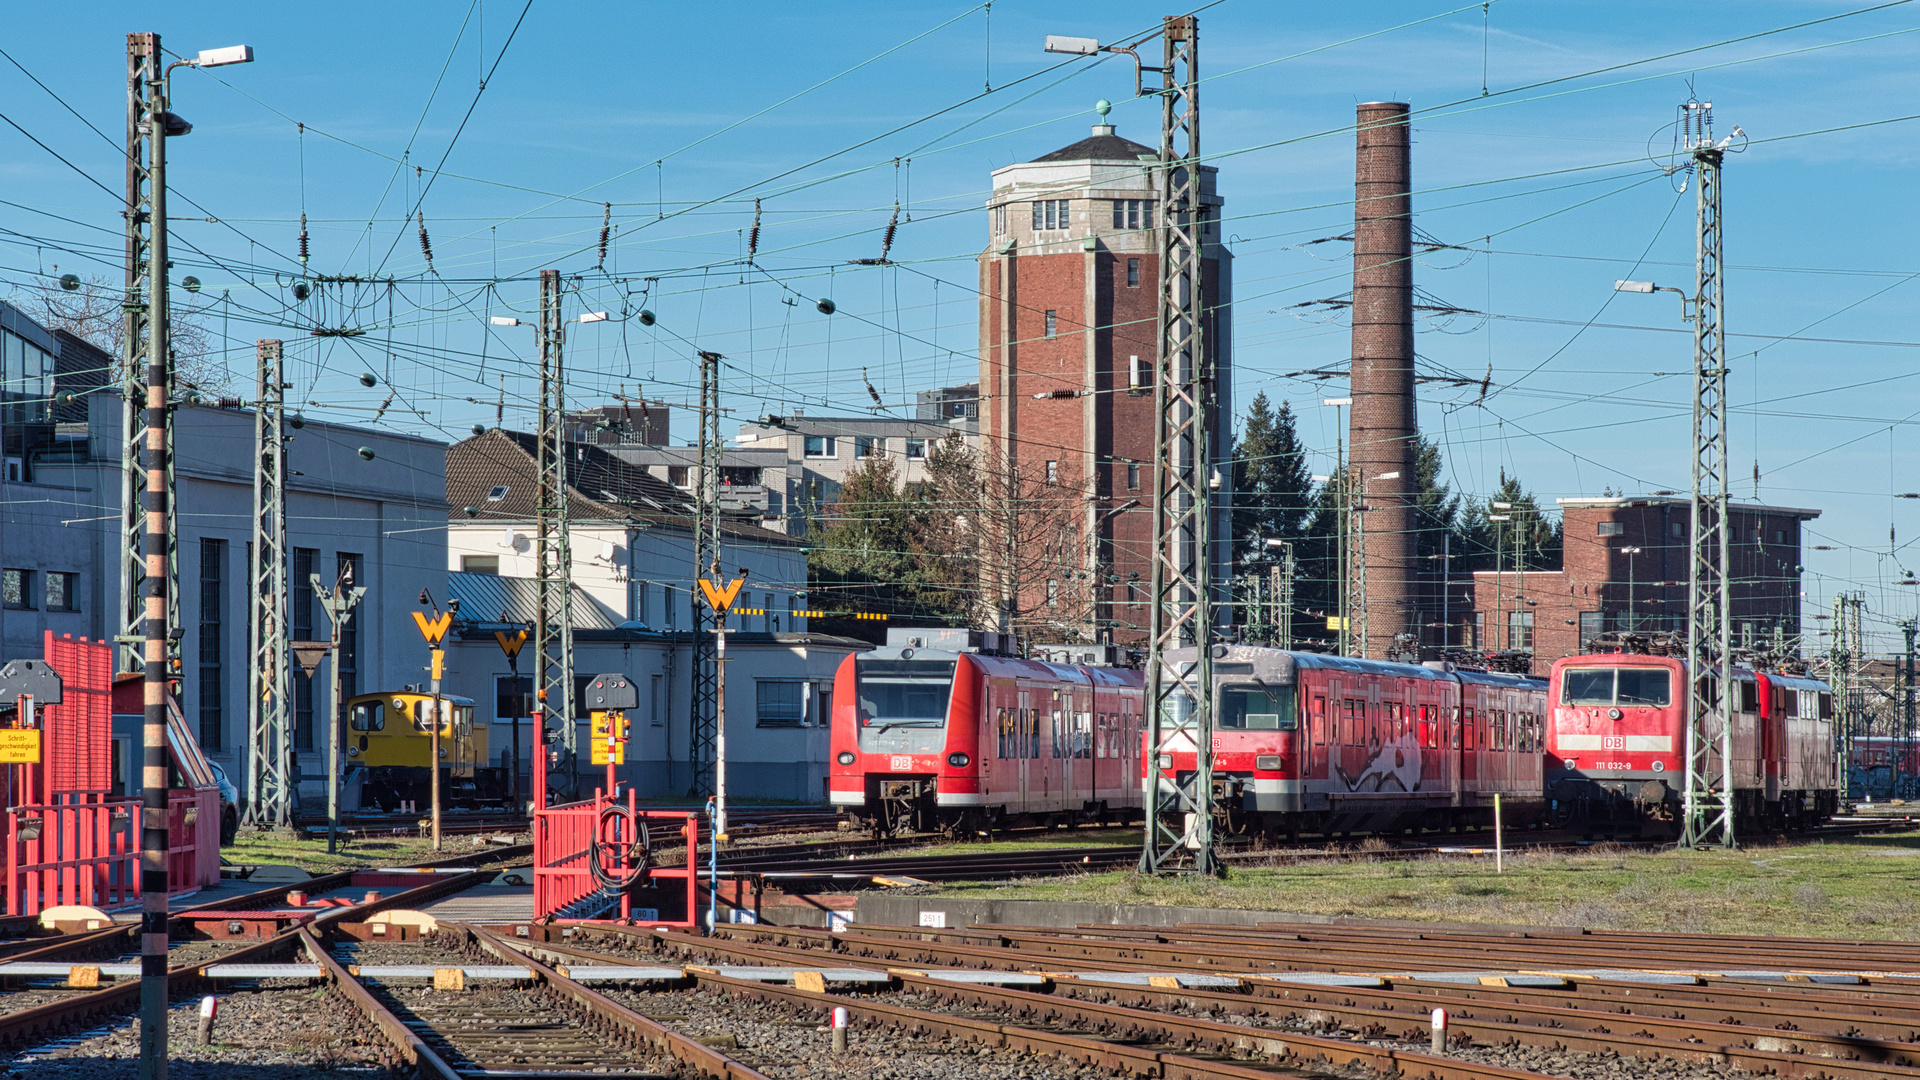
<point>1632,618</point>
<point>1344,596</point>
<point>150,119</point>
<point>1500,568</point>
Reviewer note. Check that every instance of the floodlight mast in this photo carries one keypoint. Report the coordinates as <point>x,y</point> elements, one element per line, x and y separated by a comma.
<point>1707,808</point>
<point>1179,692</point>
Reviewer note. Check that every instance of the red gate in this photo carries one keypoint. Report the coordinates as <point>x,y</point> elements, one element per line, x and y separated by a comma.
<point>590,848</point>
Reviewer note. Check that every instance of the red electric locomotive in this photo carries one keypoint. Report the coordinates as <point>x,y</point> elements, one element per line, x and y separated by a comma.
<point>1305,742</point>
<point>933,732</point>
<point>1616,749</point>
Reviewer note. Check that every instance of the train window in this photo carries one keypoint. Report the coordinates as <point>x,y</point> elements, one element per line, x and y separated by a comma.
<point>1083,735</point>
<point>1469,726</point>
<point>1616,686</point>
<point>1749,697</point>
<point>1056,733</point>
<point>463,719</point>
<point>1257,708</point>
<point>368,716</point>
<point>903,693</point>
<point>1826,706</point>
<point>1645,686</point>
<point>1453,725</point>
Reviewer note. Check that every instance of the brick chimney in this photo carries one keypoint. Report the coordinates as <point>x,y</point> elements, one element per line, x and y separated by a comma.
<point>1382,427</point>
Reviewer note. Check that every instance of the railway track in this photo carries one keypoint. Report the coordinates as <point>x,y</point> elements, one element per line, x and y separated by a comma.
<point>1547,1002</point>
<point>42,1015</point>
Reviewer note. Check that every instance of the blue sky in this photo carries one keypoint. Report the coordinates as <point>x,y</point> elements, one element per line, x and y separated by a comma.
<point>679,116</point>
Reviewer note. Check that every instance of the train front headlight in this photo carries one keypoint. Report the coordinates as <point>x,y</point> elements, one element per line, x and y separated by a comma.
<point>959,759</point>
<point>845,758</point>
<point>1266,761</point>
<point>353,751</point>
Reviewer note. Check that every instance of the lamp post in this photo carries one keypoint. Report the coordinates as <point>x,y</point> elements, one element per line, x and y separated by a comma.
<point>148,494</point>
<point>1280,595</point>
<point>1344,514</point>
<point>1633,619</point>
<point>1500,567</point>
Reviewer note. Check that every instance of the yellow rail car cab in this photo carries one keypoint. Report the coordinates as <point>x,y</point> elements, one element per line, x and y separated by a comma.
<point>390,735</point>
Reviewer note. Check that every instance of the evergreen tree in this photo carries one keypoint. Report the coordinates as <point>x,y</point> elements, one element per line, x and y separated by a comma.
<point>1528,538</point>
<point>860,555</point>
<point>1272,489</point>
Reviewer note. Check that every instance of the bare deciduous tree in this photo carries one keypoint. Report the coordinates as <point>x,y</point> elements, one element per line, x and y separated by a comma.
<point>93,313</point>
<point>1011,538</point>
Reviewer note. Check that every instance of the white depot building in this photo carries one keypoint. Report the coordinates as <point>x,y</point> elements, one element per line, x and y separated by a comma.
<point>60,545</point>
<point>632,566</point>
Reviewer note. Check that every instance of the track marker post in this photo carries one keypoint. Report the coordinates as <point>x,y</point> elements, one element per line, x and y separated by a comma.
<point>1499,847</point>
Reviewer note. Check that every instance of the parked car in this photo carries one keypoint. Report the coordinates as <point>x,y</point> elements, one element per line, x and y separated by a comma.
<point>229,806</point>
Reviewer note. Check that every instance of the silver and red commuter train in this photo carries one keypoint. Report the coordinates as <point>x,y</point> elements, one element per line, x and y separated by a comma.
<point>956,739</point>
<point>1305,742</point>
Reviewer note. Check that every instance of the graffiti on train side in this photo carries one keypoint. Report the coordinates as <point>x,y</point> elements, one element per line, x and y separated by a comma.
<point>1394,766</point>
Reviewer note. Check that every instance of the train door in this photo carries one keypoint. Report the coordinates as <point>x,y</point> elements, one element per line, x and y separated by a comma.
<point>1025,738</point>
<point>1066,747</point>
<point>1315,759</point>
<point>1473,705</point>
<point>1451,738</point>
<point>1500,740</point>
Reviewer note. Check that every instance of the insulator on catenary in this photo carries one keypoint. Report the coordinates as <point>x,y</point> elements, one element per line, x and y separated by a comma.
<point>425,247</point>
<point>753,236</point>
<point>886,242</point>
<point>606,225</point>
<point>871,392</point>
<point>303,238</point>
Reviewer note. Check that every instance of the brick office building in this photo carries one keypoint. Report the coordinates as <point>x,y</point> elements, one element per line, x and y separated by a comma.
<point>1624,567</point>
<point>1069,286</point>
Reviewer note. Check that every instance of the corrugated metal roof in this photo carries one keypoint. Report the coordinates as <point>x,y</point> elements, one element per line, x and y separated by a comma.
<point>490,597</point>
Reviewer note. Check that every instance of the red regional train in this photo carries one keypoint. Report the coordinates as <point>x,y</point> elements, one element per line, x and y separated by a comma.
<point>1617,745</point>
<point>934,734</point>
<point>1305,742</point>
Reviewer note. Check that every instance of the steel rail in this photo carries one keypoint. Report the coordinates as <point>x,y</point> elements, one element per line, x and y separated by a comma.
<point>30,1026</point>
<point>1401,1015</point>
<point>410,1047</point>
<point>634,1027</point>
<point>1302,949</point>
<point>1119,1051</point>
<point>1619,994</point>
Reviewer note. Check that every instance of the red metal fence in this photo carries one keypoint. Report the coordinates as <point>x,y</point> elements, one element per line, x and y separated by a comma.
<point>88,852</point>
<point>564,851</point>
<point>68,840</point>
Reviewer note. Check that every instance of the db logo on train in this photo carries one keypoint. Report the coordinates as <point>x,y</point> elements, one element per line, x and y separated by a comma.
<point>900,763</point>
<point>1613,742</point>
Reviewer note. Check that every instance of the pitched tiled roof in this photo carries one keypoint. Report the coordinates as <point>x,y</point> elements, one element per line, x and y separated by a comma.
<point>1101,148</point>
<point>498,475</point>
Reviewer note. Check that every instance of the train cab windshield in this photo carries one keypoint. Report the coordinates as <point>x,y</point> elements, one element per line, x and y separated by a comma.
<point>1631,686</point>
<point>903,693</point>
<point>1256,707</point>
